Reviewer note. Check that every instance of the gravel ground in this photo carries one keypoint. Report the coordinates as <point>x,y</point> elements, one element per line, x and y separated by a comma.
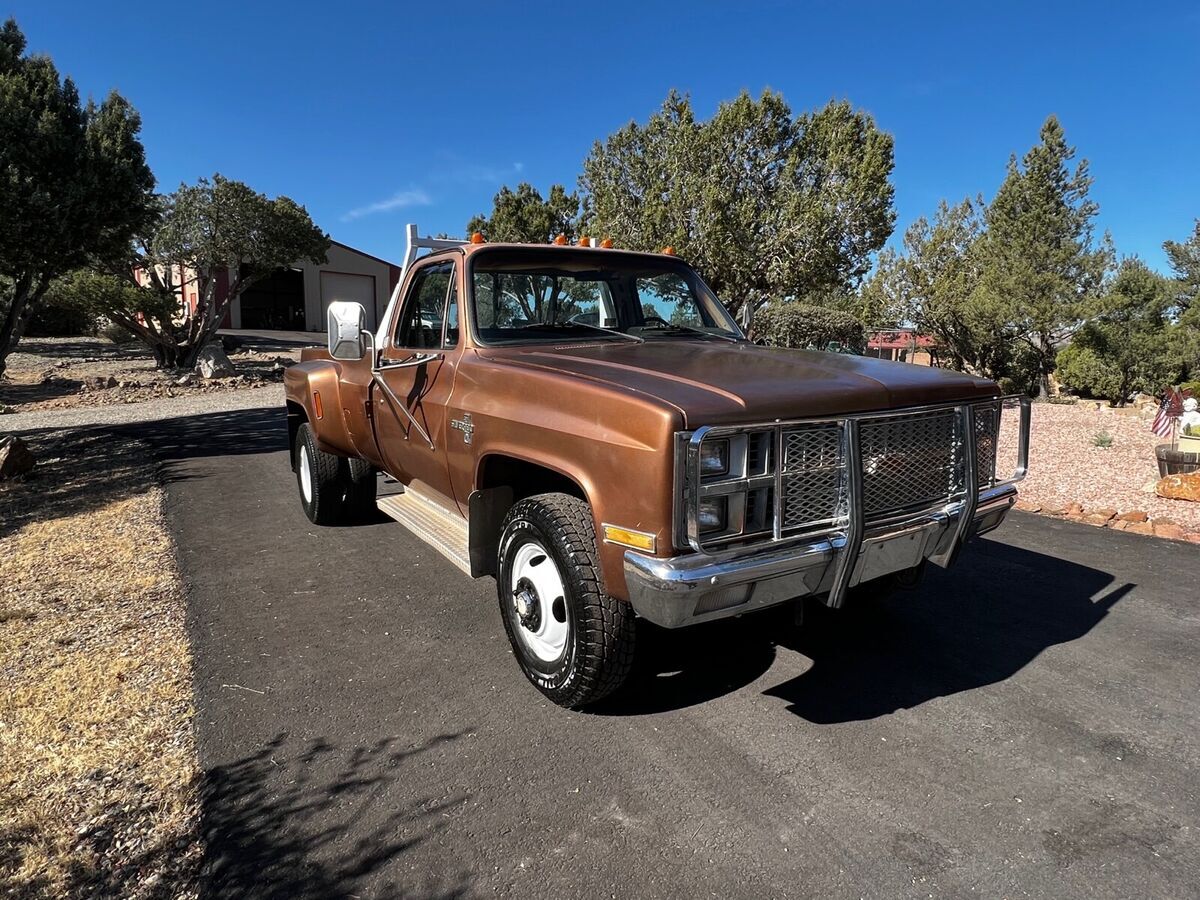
<point>69,373</point>
<point>149,411</point>
<point>1065,465</point>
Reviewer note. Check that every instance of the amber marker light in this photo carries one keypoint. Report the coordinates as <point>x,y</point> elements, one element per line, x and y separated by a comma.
<point>627,537</point>
<point>477,238</point>
<point>585,242</point>
<point>606,243</point>
<point>668,251</point>
<point>561,240</point>
<point>317,407</point>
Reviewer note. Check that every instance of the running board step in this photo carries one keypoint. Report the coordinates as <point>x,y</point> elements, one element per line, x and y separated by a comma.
<point>442,530</point>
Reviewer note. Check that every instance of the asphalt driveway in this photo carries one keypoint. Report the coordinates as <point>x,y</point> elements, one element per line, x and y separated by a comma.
<point>1023,726</point>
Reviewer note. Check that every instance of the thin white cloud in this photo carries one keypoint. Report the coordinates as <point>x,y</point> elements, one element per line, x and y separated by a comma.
<point>398,200</point>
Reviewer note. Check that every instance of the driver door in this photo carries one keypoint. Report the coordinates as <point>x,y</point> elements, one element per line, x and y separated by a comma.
<point>417,372</point>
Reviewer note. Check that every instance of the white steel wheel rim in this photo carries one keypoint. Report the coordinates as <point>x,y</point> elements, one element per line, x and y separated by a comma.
<point>305,475</point>
<point>533,566</point>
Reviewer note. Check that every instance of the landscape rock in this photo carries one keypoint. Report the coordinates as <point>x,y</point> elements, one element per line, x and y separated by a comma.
<point>1098,519</point>
<point>16,458</point>
<point>213,363</point>
<point>1179,487</point>
<point>100,382</point>
<point>185,380</point>
<point>1140,528</point>
<point>1169,530</point>
<point>1028,506</point>
<point>1134,515</point>
<point>1105,512</point>
<point>1073,511</point>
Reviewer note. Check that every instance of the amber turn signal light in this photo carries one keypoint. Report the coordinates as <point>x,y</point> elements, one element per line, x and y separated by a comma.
<point>668,251</point>
<point>477,238</point>
<point>627,537</point>
<point>585,242</point>
<point>561,240</point>
<point>606,243</point>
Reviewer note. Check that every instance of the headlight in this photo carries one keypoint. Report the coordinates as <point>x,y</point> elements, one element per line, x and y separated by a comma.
<point>714,457</point>
<point>713,514</point>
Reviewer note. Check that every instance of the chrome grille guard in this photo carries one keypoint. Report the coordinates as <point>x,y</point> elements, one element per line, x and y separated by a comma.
<point>974,449</point>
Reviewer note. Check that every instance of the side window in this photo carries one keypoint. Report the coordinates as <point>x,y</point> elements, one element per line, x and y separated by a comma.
<point>420,326</point>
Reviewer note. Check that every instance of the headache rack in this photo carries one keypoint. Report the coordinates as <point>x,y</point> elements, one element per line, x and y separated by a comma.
<point>840,476</point>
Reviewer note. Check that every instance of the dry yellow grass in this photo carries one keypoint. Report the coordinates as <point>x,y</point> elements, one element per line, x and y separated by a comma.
<point>98,768</point>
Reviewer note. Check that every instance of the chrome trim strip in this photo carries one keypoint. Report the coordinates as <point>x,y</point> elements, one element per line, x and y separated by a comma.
<point>844,565</point>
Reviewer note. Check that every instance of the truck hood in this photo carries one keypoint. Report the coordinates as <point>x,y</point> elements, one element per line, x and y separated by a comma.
<point>713,383</point>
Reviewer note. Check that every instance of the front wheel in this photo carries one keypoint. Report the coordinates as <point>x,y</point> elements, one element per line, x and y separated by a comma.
<point>573,641</point>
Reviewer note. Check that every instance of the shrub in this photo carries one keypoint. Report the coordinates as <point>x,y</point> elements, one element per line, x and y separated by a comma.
<point>1102,439</point>
<point>1081,370</point>
<point>799,325</point>
<point>116,333</point>
<point>62,313</point>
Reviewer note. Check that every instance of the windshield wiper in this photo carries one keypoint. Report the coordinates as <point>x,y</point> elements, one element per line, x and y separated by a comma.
<point>673,326</point>
<point>568,326</point>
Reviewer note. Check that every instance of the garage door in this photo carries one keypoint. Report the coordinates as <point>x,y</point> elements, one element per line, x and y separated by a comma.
<point>343,286</point>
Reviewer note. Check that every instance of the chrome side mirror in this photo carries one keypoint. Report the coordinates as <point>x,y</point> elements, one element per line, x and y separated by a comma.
<point>347,321</point>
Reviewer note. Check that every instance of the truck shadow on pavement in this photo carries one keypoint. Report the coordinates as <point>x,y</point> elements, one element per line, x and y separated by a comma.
<point>979,624</point>
<point>314,820</point>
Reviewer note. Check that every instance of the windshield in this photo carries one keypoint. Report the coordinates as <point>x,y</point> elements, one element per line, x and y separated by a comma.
<point>627,300</point>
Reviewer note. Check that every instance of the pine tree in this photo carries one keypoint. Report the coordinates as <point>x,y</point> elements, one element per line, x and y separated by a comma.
<point>1039,260</point>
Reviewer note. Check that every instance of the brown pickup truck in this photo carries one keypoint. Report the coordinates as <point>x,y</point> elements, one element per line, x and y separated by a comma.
<point>591,428</point>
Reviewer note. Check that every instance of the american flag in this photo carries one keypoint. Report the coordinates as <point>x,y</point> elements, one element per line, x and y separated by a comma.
<point>1170,409</point>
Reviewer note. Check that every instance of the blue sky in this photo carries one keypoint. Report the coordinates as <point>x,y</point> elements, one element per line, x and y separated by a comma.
<point>373,115</point>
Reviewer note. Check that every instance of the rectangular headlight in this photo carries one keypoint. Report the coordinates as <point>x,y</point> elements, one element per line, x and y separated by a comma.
<point>713,514</point>
<point>714,457</point>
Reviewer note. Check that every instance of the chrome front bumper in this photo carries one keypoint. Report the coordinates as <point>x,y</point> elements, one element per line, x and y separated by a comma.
<point>699,587</point>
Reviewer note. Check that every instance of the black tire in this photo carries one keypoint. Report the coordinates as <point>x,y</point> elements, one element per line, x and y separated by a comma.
<point>323,498</point>
<point>361,491</point>
<point>598,649</point>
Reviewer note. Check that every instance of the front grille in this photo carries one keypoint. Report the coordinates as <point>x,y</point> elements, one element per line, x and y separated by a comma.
<point>909,461</point>
<point>814,488</point>
<point>796,480</point>
<point>987,432</point>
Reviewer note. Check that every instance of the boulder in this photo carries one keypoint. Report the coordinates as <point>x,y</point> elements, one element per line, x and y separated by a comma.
<point>213,363</point>
<point>1179,487</point>
<point>15,457</point>
<point>1140,528</point>
<point>100,382</point>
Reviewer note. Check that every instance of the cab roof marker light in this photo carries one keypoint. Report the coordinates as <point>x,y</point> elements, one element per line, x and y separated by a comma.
<point>477,238</point>
<point>607,243</point>
<point>668,251</point>
<point>560,241</point>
